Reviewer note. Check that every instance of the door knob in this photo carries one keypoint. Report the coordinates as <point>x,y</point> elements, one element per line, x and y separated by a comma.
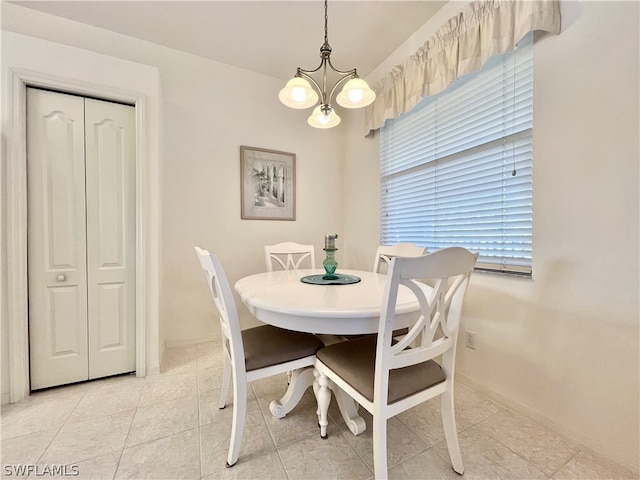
<point>61,278</point>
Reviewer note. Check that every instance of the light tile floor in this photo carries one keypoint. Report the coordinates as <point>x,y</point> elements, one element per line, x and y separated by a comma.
<point>168,426</point>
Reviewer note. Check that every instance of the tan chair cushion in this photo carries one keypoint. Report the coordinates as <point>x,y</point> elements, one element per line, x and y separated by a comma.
<point>268,345</point>
<point>355,362</point>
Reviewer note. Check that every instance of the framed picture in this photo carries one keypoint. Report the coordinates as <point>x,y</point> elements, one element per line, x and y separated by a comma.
<point>268,184</point>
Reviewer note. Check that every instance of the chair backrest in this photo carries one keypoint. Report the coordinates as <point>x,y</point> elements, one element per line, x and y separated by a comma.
<point>223,298</point>
<point>386,252</point>
<point>435,331</point>
<point>288,255</point>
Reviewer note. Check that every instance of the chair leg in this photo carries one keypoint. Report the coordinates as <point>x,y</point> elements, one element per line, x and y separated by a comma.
<point>316,387</point>
<point>226,380</point>
<point>239,415</point>
<point>323,397</point>
<point>450,431</point>
<point>380,447</point>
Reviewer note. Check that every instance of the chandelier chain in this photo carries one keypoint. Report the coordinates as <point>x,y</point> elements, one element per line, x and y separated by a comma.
<point>326,21</point>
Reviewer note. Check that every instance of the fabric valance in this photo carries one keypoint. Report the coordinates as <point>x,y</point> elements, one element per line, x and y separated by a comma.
<point>462,45</point>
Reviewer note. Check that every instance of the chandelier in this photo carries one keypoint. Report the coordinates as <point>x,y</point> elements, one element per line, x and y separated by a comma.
<point>298,92</point>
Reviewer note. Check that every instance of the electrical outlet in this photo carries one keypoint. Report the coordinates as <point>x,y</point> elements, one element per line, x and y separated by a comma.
<point>469,339</point>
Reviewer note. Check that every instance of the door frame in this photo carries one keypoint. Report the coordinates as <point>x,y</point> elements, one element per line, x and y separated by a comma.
<point>147,219</point>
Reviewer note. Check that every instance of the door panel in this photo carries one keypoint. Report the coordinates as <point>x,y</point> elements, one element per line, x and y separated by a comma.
<point>110,176</point>
<point>57,239</point>
<point>63,319</point>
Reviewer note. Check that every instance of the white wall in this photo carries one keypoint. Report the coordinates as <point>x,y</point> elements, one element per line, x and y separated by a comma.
<point>563,345</point>
<point>208,111</point>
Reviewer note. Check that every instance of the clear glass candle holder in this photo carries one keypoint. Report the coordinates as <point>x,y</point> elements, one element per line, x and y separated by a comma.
<point>330,264</point>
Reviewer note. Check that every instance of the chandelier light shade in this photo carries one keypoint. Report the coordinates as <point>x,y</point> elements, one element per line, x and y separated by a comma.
<point>303,91</point>
<point>323,117</point>
<point>298,94</point>
<point>355,94</point>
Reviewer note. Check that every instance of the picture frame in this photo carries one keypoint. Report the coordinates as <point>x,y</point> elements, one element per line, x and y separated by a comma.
<point>267,184</point>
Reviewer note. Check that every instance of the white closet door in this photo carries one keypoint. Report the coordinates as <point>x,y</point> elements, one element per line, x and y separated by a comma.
<point>56,239</point>
<point>81,238</point>
<point>110,176</point>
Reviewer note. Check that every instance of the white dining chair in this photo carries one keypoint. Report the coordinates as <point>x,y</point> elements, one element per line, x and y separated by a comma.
<point>250,354</point>
<point>292,256</point>
<point>289,256</point>
<point>386,252</point>
<point>387,377</point>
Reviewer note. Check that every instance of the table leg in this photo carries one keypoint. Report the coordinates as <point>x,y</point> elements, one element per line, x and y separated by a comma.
<point>349,410</point>
<point>301,379</point>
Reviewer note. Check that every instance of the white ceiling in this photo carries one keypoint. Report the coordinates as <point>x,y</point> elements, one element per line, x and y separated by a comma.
<point>268,37</point>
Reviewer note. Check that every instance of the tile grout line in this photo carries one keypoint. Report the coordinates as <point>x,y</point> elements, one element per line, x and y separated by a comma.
<point>60,427</point>
<point>563,465</point>
<point>344,435</point>
<point>273,440</point>
<point>504,408</point>
<point>516,409</point>
<point>517,454</point>
<point>124,442</point>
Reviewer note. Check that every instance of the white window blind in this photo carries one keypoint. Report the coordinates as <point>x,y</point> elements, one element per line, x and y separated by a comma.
<point>447,166</point>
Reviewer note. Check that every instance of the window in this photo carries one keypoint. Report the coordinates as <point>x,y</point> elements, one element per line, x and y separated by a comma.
<point>457,169</point>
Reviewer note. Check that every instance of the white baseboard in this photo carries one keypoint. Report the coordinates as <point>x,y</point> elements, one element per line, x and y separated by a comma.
<point>190,341</point>
<point>560,430</point>
<point>4,398</point>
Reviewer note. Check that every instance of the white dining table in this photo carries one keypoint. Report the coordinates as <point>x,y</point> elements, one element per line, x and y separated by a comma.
<point>281,299</point>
